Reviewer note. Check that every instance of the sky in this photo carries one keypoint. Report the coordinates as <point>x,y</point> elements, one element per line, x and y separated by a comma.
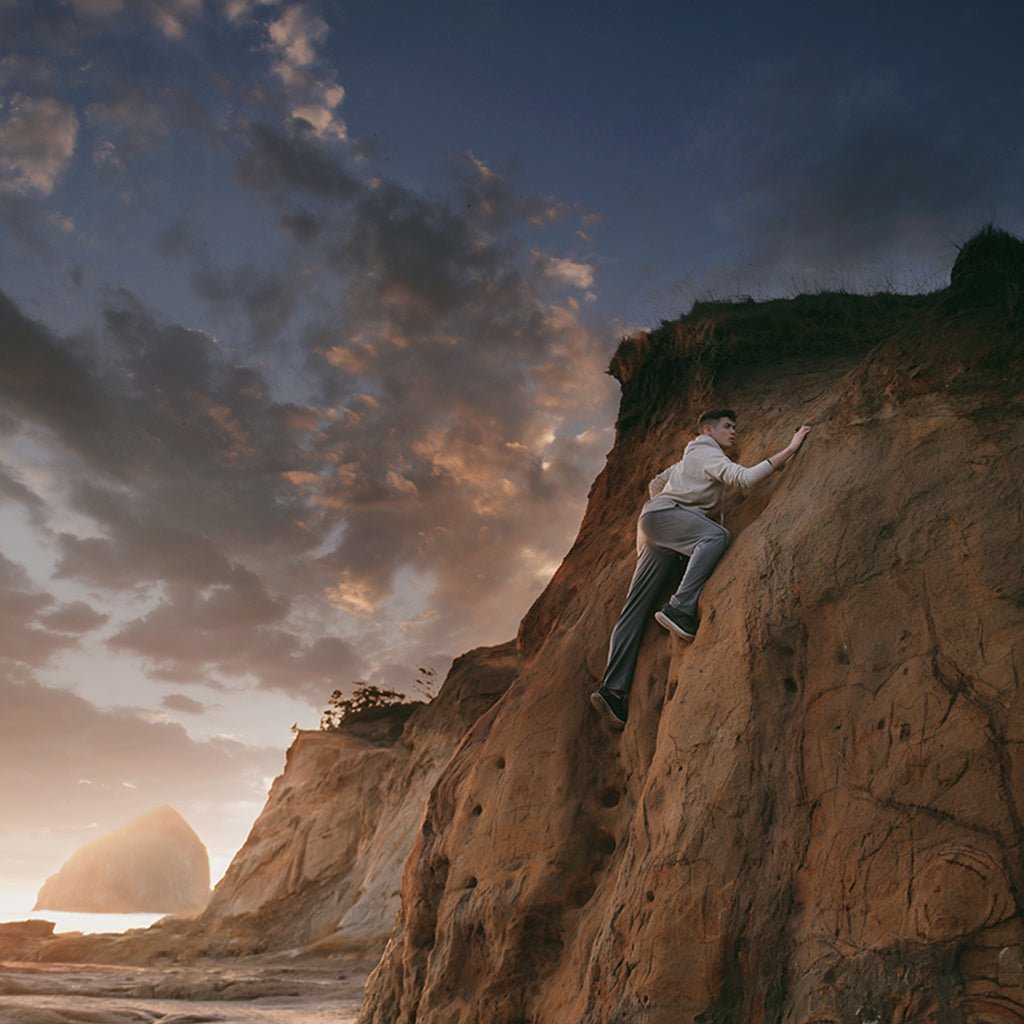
<point>305,312</point>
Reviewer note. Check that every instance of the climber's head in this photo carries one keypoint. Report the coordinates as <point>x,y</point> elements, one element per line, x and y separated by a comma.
<point>720,424</point>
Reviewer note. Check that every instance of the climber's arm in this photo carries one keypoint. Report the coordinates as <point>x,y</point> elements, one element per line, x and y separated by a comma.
<point>779,459</point>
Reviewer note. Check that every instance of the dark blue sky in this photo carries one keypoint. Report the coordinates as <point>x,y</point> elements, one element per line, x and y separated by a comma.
<point>305,310</point>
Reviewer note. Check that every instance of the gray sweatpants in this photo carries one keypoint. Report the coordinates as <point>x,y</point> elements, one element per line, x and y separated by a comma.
<point>664,535</point>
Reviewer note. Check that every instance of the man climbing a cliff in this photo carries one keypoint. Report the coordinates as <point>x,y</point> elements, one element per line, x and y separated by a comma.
<point>677,520</point>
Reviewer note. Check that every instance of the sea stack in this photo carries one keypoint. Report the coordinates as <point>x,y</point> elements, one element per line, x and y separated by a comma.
<point>154,864</point>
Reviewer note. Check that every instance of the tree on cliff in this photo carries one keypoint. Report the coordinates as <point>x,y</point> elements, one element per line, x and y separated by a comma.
<point>369,701</point>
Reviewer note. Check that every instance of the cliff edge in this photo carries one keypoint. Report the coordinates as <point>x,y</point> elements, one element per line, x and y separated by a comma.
<point>815,811</point>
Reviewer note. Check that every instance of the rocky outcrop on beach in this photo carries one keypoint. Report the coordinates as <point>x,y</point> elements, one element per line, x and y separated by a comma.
<point>154,864</point>
<point>815,811</point>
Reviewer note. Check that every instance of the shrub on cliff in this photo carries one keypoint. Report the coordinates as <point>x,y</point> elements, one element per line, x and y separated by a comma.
<point>989,271</point>
<point>367,701</point>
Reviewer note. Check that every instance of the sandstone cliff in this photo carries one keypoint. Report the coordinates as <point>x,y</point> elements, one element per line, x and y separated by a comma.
<point>324,859</point>
<point>815,811</point>
<point>154,864</point>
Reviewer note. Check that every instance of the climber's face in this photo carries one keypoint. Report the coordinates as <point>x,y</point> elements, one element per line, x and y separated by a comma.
<point>723,431</point>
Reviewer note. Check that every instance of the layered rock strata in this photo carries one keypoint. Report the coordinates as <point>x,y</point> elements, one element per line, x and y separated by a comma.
<point>815,811</point>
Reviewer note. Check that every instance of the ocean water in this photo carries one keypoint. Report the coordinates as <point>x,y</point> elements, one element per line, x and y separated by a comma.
<point>16,906</point>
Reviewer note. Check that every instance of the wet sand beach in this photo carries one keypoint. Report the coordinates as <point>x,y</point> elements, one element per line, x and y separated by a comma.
<point>255,992</point>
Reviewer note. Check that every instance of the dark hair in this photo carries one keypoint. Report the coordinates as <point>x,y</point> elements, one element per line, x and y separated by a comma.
<point>714,415</point>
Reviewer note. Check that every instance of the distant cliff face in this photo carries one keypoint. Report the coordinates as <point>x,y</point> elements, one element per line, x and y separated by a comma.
<point>815,811</point>
<point>325,857</point>
<point>154,864</point>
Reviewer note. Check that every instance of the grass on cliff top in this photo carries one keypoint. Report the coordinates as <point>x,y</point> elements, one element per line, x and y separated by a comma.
<point>716,333</point>
<point>986,283</point>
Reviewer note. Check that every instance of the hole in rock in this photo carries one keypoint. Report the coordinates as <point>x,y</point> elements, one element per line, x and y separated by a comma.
<point>790,684</point>
<point>471,882</point>
<point>477,811</point>
<point>610,796</point>
<point>605,843</point>
<point>500,763</point>
<point>881,723</point>
<point>650,896</point>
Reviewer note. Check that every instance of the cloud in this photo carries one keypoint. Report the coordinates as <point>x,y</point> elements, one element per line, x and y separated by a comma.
<point>185,646</point>
<point>138,549</point>
<point>128,122</point>
<point>454,483</point>
<point>23,638</point>
<point>12,489</point>
<point>490,200</point>
<point>389,496</point>
<point>295,34</point>
<point>170,17</point>
<point>44,382</point>
<point>23,71</point>
<point>283,160</point>
<point>37,141</point>
<point>97,8</point>
<point>315,95</point>
<point>65,765</point>
<point>179,702</point>
<point>565,271</point>
<point>267,298</point>
<point>76,617</point>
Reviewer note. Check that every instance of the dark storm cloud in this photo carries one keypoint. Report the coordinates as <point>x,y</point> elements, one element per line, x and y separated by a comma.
<point>279,161</point>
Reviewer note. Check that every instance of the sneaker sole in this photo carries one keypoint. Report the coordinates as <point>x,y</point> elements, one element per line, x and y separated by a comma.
<point>664,620</point>
<point>606,711</point>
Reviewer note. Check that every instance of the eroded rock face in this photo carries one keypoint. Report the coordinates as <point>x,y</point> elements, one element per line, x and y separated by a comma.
<point>324,859</point>
<point>815,811</point>
<point>154,864</point>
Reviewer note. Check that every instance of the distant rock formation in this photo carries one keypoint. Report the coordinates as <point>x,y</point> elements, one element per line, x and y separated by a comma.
<point>154,864</point>
<point>815,811</point>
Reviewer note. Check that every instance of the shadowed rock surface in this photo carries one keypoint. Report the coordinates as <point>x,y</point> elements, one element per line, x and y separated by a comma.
<point>815,812</point>
<point>154,864</point>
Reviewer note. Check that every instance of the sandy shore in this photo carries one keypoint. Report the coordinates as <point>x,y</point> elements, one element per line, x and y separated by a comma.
<point>253,992</point>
